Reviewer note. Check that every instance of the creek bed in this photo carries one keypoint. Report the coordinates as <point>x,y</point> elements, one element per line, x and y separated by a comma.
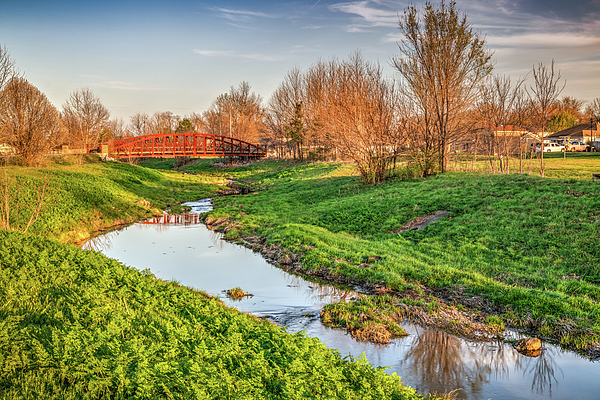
<point>181,248</point>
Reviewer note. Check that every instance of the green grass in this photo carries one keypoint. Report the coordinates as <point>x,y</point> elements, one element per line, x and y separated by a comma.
<point>526,244</point>
<point>75,324</point>
<point>578,165</point>
<point>97,195</point>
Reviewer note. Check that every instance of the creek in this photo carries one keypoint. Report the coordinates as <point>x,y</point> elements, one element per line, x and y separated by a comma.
<point>181,248</point>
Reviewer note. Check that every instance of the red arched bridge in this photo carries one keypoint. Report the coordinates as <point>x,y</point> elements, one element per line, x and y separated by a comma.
<point>186,144</point>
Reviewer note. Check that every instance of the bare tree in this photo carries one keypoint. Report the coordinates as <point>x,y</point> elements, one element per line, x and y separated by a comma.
<point>29,123</point>
<point>573,106</point>
<point>162,122</point>
<point>592,110</point>
<point>496,105</point>
<point>116,129</point>
<point>85,118</point>
<point>361,115</point>
<point>282,108</point>
<point>443,63</point>
<point>8,70</point>
<point>543,95</point>
<point>197,121</point>
<point>138,124</point>
<point>319,79</point>
<point>237,114</point>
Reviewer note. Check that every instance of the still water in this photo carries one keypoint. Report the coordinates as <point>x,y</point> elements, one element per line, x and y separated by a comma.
<point>181,248</point>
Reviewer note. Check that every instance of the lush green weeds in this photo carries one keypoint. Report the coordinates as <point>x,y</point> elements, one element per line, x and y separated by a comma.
<point>527,245</point>
<point>237,293</point>
<point>75,324</point>
<point>373,319</point>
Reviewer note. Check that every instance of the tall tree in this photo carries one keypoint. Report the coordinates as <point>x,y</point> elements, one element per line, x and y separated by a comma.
<point>443,63</point>
<point>8,70</point>
<point>592,110</point>
<point>163,122</point>
<point>361,117</point>
<point>543,94</point>
<point>29,123</point>
<point>237,114</point>
<point>282,106</point>
<point>296,130</point>
<point>496,107</point>
<point>139,124</point>
<point>116,129</point>
<point>85,118</point>
<point>572,106</point>
<point>197,122</point>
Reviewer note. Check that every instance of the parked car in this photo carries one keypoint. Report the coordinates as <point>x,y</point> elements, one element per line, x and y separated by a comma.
<point>550,147</point>
<point>577,146</point>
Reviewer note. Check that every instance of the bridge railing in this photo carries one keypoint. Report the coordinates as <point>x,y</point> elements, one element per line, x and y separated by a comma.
<point>186,144</point>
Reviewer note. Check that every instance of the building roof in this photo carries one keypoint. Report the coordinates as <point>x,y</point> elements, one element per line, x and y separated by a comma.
<point>507,128</point>
<point>574,131</point>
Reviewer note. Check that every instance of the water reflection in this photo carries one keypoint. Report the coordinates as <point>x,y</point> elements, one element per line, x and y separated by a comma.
<point>543,371</point>
<point>439,361</point>
<point>101,242</point>
<point>317,293</point>
<point>174,219</point>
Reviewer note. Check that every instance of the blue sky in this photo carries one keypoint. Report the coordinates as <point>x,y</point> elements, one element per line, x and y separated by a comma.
<point>180,55</point>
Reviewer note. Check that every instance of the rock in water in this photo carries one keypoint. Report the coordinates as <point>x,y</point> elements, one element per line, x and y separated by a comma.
<point>529,345</point>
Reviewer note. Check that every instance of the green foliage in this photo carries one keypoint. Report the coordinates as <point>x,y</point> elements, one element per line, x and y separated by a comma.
<point>495,322</point>
<point>561,121</point>
<point>185,126</point>
<point>503,239</point>
<point>296,131</point>
<point>372,318</point>
<point>76,324</point>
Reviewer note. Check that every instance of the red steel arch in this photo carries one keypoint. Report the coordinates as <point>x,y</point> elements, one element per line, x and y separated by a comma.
<point>186,144</point>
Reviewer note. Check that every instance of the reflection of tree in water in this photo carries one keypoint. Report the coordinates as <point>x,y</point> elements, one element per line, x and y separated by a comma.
<point>215,239</point>
<point>445,362</point>
<point>319,294</point>
<point>543,371</point>
<point>101,242</point>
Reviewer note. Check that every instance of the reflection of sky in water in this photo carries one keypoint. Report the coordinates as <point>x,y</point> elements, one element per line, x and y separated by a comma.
<point>427,360</point>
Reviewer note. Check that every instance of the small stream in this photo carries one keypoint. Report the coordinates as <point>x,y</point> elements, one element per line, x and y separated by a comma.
<point>181,248</point>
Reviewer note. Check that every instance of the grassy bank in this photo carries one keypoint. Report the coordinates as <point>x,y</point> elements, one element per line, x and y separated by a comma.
<point>85,198</point>
<point>76,324</point>
<point>521,246</point>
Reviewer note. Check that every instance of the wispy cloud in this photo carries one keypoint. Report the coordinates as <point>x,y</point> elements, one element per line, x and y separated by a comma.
<point>369,14</point>
<point>313,27</point>
<point>303,49</point>
<point>239,15</point>
<point>214,53</point>
<point>544,40</point>
<point>232,54</point>
<point>111,84</point>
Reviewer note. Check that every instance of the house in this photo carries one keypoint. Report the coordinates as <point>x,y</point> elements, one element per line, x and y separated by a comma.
<point>583,132</point>
<point>489,140</point>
